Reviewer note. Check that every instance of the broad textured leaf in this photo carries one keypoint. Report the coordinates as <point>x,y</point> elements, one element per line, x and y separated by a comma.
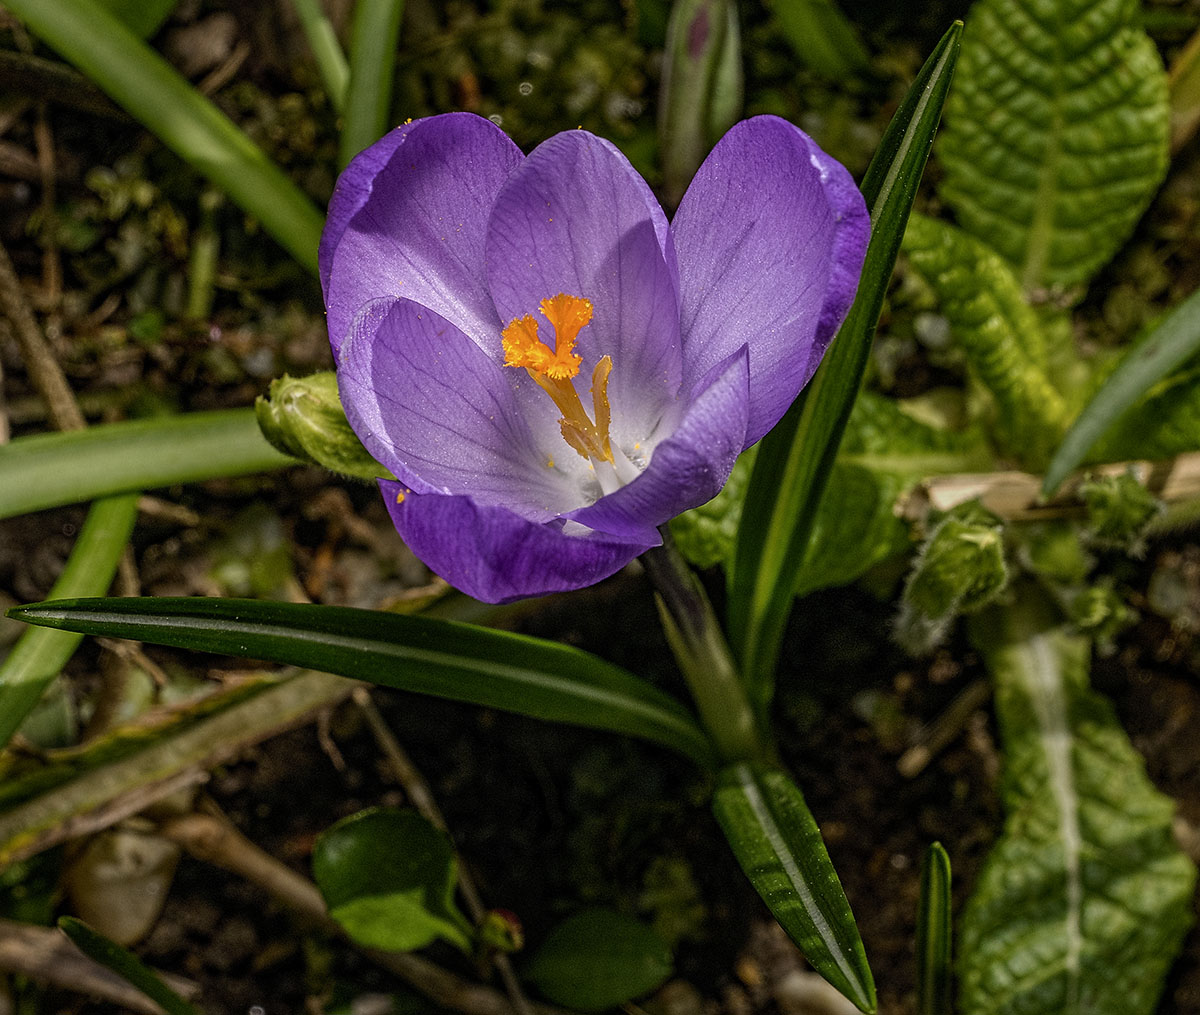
<point>599,959</point>
<point>388,877</point>
<point>457,661</point>
<point>795,459</point>
<point>126,965</point>
<point>1083,903</point>
<point>778,844</point>
<point>1056,133</point>
<point>998,331</point>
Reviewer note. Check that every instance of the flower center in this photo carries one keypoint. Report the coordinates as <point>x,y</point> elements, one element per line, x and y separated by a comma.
<point>554,367</point>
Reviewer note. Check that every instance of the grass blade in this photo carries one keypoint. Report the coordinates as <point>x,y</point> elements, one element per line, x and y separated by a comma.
<point>49,470</point>
<point>934,935</point>
<point>126,965</point>
<point>327,51</point>
<point>39,655</point>
<point>372,66</point>
<point>1174,340</point>
<point>794,460</point>
<point>156,94</point>
<point>460,662</point>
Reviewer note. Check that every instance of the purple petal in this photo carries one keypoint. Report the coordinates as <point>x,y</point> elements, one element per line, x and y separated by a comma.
<point>689,467</point>
<point>444,417</point>
<point>576,217</point>
<point>770,238</point>
<point>497,556</point>
<point>410,218</point>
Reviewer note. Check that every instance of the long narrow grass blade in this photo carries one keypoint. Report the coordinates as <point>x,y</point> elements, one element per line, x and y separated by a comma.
<point>156,94</point>
<point>460,662</point>
<point>794,460</point>
<point>372,65</point>
<point>126,965</point>
<point>1174,340</point>
<point>49,470</point>
<point>39,655</point>
<point>327,51</point>
<point>934,935</point>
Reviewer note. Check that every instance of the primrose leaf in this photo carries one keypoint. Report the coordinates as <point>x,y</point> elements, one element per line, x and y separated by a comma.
<point>1084,901</point>
<point>778,844</point>
<point>599,959</point>
<point>999,333</point>
<point>1056,133</point>
<point>388,878</point>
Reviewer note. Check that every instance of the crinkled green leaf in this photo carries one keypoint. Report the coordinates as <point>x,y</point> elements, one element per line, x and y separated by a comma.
<point>599,959</point>
<point>998,331</point>
<point>706,535</point>
<point>1084,901</point>
<point>1056,133</point>
<point>388,878</point>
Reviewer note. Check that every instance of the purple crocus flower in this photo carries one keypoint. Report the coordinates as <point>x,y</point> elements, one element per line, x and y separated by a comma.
<point>548,368</point>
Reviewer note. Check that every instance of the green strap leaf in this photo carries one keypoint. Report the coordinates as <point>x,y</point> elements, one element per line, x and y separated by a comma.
<point>326,50</point>
<point>39,656</point>
<point>461,662</point>
<point>126,965</point>
<point>998,331</point>
<point>156,94</point>
<point>778,844</point>
<point>934,935</point>
<point>49,470</point>
<point>372,66</point>
<point>823,37</point>
<point>1056,133</point>
<point>1084,901</point>
<point>794,460</point>
<point>1164,348</point>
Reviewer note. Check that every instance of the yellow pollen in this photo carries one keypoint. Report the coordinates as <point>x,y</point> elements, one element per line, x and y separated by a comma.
<point>553,368</point>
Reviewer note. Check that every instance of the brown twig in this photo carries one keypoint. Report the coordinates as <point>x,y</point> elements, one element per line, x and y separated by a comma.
<point>49,957</point>
<point>421,796</point>
<point>211,837</point>
<point>937,735</point>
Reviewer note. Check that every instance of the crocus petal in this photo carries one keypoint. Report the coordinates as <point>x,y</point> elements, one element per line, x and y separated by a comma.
<point>437,411</point>
<point>411,222</point>
<point>497,556</point>
<point>770,238</point>
<point>691,466</point>
<point>576,217</point>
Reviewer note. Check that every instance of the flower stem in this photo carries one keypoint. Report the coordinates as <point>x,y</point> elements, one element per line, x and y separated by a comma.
<point>703,654</point>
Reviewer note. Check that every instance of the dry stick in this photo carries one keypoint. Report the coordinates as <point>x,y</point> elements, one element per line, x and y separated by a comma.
<point>48,956</point>
<point>943,730</point>
<point>422,799</point>
<point>48,171</point>
<point>212,837</point>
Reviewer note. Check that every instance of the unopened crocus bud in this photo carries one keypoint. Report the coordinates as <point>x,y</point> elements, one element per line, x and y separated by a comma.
<point>1119,510</point>
<point>302,416</point>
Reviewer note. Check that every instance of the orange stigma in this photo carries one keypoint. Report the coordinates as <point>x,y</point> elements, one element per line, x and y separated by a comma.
<point>553,368</point>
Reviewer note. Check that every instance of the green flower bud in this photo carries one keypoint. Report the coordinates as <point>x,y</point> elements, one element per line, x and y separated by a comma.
<point>500,930</point>
<point>1099,611</point>
<point>302,416</point>
<point>1119,510</point>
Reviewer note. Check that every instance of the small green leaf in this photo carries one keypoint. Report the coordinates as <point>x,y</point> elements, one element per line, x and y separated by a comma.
<point>934,935</point>
<point>794,460</point>
<point>1083,903</point>
<point>388,878</point>
<point>142,17</point>
<point>777,842</point>
<point>1056,134</point>
<point>1159,352</point>
<point>126,965</point>
<point>599,959</point>
<point>460,662</point>
<point>823,37</point>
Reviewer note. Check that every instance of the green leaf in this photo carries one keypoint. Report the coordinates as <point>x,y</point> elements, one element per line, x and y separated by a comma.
<point>794,460</point>
<point>706,535</point>
<point>776,840</point>
<point>39,656</point>
<point>998,331</point>
<point>460,662</point>
<point>824,39</point>
<point>49,470</point>
<point>142,17</point>
<point>372,67</point>
<point>388,878</point>
<point>154,93</point>
<point>1056,134</point>
<point>599,959</point>
<point>934,935</point>
<point>1084,901</point>
<point>126,965</point>
<point>1172,411</point>
<point>326,50</point>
